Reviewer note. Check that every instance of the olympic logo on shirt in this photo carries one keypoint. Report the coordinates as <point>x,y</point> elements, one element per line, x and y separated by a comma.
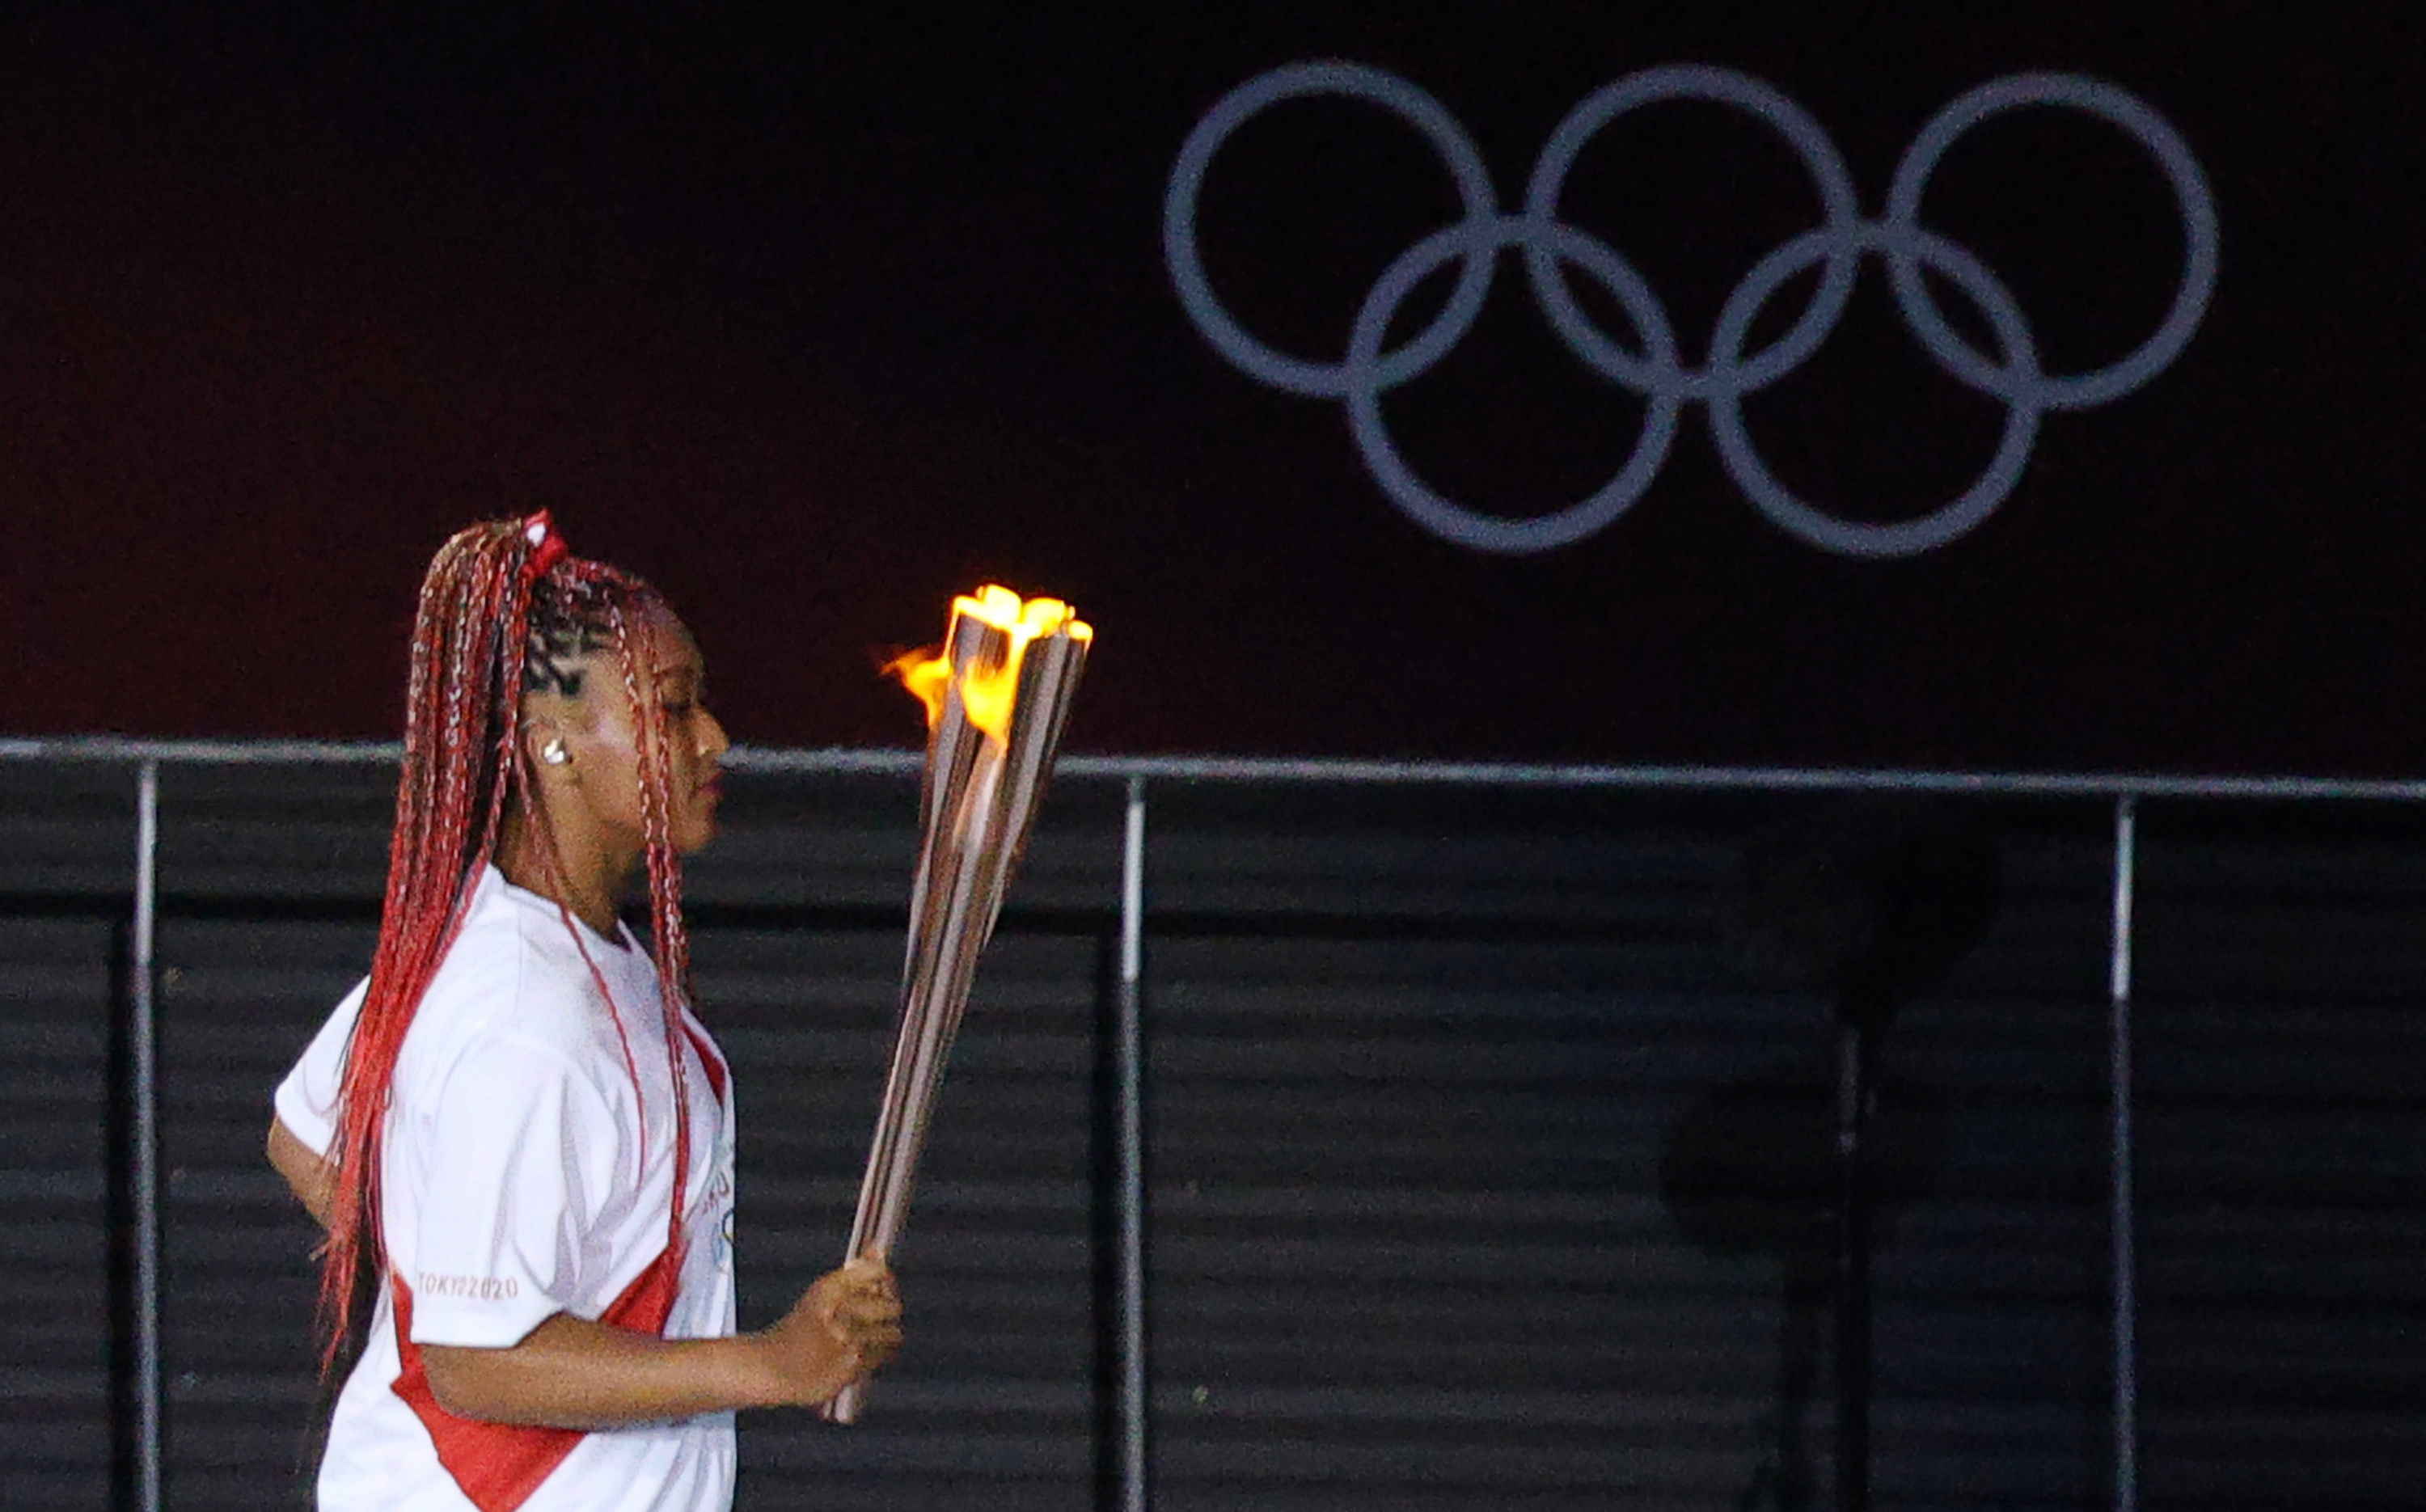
<point>1656,372</point>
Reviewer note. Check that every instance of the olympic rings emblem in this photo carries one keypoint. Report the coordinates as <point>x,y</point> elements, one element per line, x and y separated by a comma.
<point>1656,372</point>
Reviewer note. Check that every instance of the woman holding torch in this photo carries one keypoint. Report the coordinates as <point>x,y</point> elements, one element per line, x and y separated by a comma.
<point>517,1136</point>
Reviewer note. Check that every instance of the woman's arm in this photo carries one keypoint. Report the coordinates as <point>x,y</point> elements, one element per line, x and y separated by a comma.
<point>570,1373</point>
<point>312,1179</point>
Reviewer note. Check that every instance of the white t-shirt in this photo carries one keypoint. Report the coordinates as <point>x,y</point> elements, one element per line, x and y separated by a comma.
<point>523,1177</point>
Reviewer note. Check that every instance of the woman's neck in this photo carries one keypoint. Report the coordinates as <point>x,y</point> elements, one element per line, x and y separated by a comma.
<point>587,879</point>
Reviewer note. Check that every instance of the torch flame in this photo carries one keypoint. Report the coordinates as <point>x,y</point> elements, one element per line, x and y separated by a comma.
<point>987,694</point>
<point>925,675</point>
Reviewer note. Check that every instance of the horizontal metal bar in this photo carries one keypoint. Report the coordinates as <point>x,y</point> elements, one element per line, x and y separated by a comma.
<point>1319,770</point>
<point>200,753</point>
<point>1731,778</point>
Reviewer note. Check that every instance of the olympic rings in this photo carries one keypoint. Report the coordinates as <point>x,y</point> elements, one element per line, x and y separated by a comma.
<point>1655,370</point>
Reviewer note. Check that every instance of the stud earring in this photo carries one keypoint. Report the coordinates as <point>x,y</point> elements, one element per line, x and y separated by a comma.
<point>553,752</point>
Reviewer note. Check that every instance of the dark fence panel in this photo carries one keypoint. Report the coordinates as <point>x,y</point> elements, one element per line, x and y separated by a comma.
<point>1459,1105</point>
<point>2283,1078</point>
<point>1489,1148</point>
<point>67,846</point>
<point>55,1189</point>
<point>239,997</point>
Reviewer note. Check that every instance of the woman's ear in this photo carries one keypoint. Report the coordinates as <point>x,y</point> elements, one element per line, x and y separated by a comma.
<point>545,745</point>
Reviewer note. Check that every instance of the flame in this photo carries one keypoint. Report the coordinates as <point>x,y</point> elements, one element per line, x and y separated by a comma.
<point>988,695</point>
<point>926,675</point>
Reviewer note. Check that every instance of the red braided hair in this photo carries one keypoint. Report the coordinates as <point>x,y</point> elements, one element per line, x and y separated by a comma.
<point>499,601</point>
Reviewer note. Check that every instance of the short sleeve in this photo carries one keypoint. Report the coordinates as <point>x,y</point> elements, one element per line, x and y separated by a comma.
<point>517,1160</point>
<point>306,1100</point>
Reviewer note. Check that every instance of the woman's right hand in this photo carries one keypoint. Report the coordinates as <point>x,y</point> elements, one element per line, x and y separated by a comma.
<point>843,1328</point>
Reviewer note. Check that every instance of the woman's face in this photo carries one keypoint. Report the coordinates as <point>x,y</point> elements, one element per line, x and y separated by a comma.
<point>608,745</point>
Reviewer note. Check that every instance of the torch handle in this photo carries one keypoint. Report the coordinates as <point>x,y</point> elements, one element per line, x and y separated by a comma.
<point>964,882</point>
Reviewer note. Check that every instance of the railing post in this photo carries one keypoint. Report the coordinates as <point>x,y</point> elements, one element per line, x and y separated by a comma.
<point>1134,1406</point>
<point>2123,1209</point>
<point>139,1437</point>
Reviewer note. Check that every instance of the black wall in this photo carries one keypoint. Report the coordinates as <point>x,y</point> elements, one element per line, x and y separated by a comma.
<point>1446,1086</point>
<point>820,314</point>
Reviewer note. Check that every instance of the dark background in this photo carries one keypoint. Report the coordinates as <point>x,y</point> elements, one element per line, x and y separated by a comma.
<point>818,315</point>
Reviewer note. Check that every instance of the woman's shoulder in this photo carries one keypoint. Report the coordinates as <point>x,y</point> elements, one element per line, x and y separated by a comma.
<point>516,972</point>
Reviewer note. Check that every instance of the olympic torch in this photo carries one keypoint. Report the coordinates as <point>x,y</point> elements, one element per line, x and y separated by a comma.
<point>996,697</point>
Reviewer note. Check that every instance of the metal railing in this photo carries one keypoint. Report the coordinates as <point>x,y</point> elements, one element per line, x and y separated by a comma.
<point>1138,774</point>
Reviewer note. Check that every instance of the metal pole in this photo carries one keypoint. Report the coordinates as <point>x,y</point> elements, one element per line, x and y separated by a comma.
<point>1129,1061</point>
<point>1852,1361</point>
<point>144,1166</point>
<point>2126,1260</point>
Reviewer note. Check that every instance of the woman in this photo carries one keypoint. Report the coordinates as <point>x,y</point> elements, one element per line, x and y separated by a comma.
<point>518,1137</point>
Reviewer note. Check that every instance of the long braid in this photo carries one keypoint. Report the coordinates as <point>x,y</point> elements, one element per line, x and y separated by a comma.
<point>672,942</point>
<point>455,728</point>
<point>475,648</point>
<point>669,939</point>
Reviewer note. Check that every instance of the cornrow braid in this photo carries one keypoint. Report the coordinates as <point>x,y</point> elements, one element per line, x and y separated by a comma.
<point>502,610</point>
<point>570,618</point>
